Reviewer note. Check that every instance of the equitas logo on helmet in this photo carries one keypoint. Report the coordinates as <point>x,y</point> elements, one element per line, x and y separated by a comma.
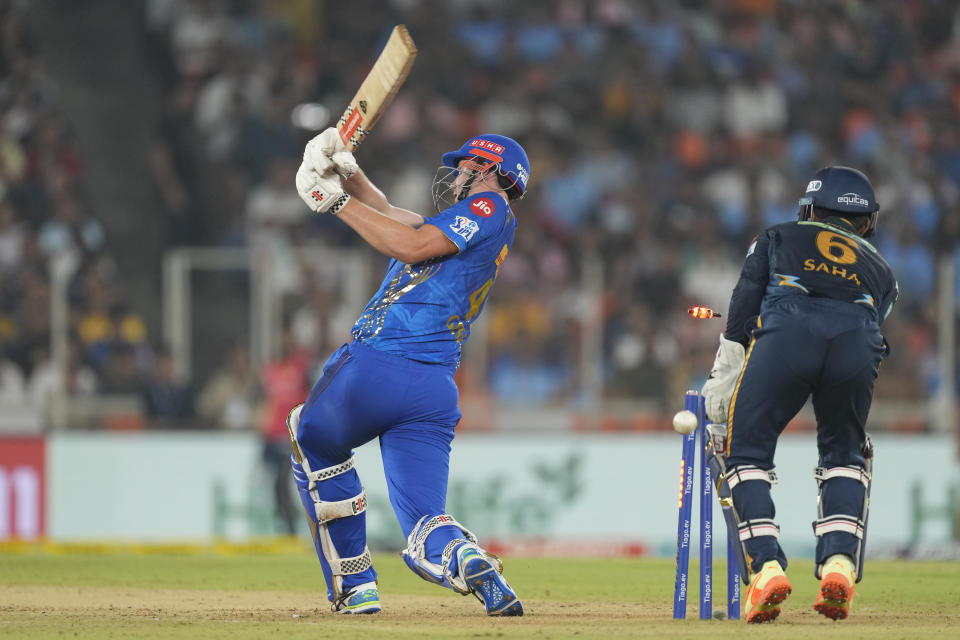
<point>854,199</point>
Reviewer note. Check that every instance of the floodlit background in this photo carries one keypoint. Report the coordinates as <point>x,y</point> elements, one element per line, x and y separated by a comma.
<point>165,296</point>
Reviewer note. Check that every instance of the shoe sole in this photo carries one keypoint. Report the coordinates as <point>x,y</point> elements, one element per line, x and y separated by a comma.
<point>773,594</point>
<point>498,598</point>
<point>362,609</point>
<point>371,605</point>
<point>835,594</point>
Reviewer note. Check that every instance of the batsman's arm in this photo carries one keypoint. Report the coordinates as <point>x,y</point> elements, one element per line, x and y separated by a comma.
<point>361,188</point>
<point>748,294</point>
<point>396,238</point>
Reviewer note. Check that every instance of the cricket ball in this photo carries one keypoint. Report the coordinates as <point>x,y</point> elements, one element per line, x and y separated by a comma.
<point>684,422</point>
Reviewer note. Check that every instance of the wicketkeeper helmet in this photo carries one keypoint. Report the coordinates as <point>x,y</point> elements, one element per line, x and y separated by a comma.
<point>843,191</point>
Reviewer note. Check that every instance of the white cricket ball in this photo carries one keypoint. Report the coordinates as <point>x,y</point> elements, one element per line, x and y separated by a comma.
<point>685,422</point>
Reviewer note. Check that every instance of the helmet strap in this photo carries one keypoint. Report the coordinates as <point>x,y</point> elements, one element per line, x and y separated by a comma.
<point>872,226</point>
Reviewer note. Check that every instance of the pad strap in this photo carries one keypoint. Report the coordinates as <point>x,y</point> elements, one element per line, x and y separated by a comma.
<point>748,472</point>
<point>757,528</point>
<point>841,523</point>
<point>448,550</point>
<point>822,474</point>
<point>350,566</point>
<point>327,511</point>
<point>435,522</point>
<point>329,472</point>
<point>458,584</point>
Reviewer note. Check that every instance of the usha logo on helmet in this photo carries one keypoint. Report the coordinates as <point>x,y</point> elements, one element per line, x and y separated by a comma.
<point>853,199</point>
<point>486,144</point>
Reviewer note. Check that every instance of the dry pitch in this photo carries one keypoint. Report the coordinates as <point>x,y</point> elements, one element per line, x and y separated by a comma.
<point>48,593</point>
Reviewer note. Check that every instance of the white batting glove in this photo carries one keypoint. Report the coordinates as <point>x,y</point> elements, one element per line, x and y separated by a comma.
<point>321,194</point>
<point>326,153</point>
<point>718,389</point>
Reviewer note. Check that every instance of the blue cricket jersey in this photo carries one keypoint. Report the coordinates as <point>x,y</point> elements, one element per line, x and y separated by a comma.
<point>424,311</point>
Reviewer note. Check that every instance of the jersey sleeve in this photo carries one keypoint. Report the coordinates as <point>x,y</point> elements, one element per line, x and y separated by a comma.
<point>748,294</point>
<point>886,305</point>
<point>472,220</point>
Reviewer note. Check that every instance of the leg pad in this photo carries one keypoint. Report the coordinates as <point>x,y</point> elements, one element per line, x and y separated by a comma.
<point>415,555</point>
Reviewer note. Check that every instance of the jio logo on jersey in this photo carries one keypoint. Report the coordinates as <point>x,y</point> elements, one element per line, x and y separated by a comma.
<point>482,207</point>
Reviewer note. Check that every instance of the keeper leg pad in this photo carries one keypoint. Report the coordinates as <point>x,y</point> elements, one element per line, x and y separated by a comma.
<point>739,529</point>
<point>843,503</point>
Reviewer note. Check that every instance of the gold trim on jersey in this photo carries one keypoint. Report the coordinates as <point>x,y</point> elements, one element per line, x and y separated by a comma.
<point>736,390</point>
<point>371,322</point>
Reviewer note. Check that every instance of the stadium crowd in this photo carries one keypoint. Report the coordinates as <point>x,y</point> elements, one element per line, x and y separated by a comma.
<point>662,136</point>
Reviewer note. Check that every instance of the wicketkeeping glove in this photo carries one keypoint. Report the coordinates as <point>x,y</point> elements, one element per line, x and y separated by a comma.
<point>718,389</point>
<point>321,194</point>
<point>326,153</point>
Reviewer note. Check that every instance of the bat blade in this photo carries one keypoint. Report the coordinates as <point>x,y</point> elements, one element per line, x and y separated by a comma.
<point>378,89</point>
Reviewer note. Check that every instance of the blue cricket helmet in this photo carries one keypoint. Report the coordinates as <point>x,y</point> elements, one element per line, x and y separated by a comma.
<point>843,191</point>
<point>498,150</point>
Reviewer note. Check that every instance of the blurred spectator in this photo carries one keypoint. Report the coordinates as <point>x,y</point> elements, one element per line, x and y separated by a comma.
<point>273,213</point>
<point>70,231</point>
<point>120,374</point>
<point>12,237</point>
<point>275,217</point>
<point>47,380</point>
<point>197,31</point>
<point>32,314</point>
<point>168,402</point>
<point>285,385</point>
<point>522,375</point>
<point>103,322</point>
<point>177,170</point>
<point>228,399</point>
<point>323,321</point>
<point>13,388</point>
<point>642,354</point>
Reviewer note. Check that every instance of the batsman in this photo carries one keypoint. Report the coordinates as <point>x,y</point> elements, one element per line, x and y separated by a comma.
<point>804,322</point>
<point>395,380</point>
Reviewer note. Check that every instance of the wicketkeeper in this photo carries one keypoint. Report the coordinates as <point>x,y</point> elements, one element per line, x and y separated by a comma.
<point>804,321</point>
<point>394,380</point>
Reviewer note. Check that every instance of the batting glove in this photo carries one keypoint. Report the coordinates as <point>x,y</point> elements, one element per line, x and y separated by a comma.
<point>326,153</point>
<point>321,194</point>
<point>719,387</point>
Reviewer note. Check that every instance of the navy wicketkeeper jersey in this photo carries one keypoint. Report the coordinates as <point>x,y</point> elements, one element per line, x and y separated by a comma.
<point>812,259</point>
<point>424,311</point>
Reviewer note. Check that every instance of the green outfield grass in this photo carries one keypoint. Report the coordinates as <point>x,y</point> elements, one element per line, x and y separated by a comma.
<point>51,594</point>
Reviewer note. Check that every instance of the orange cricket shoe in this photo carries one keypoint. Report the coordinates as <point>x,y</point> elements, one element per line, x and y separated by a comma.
<point>836,587</point>
<point>767,590</point>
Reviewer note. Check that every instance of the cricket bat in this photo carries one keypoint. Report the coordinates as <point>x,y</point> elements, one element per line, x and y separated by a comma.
<point>378,88</point>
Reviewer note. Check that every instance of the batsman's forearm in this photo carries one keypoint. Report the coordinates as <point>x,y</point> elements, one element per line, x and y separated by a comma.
<point>388,236</point>
<point>404,216</point>
<point>360,187</point>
